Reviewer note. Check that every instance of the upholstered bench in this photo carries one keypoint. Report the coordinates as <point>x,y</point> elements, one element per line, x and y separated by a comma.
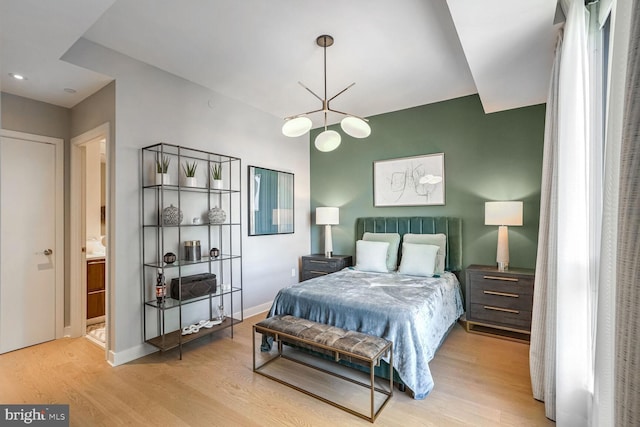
<point>341,344</point>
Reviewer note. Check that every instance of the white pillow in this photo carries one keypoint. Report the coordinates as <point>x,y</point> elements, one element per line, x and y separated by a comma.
<point>418,260</point>
<point>394,244</point>
<point>439,240</point>
<point>371,256</point>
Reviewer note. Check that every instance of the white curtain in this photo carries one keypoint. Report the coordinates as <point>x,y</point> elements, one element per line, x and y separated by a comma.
<point>567,268</point>
<point>543,322</point>
<point>574,284</point>
<point>584,358</point>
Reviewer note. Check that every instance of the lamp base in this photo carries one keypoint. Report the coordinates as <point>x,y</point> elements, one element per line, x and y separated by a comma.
<point>502,255</point>
<point>328,242</point>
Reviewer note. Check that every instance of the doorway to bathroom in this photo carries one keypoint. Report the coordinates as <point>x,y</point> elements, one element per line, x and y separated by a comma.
<point>90,236</point>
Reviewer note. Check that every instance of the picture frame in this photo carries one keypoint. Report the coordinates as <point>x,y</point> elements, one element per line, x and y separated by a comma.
<point>409,181</point>
<point>271,201</point>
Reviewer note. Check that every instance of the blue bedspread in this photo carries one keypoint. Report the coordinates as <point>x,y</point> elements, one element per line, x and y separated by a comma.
<point>415,313</point>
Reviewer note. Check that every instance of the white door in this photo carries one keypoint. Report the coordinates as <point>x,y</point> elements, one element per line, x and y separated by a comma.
<point>28,243</point>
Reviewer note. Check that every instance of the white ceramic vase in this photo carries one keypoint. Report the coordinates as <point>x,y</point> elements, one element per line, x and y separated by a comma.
<point>162,179</point>
<point>191,181</point>
<point>217,184</point>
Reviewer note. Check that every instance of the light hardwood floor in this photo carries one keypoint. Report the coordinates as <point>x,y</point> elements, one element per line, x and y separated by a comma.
<point>479,381</point>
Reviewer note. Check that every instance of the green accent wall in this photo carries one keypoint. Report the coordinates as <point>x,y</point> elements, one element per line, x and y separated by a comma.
<point>487,157</point>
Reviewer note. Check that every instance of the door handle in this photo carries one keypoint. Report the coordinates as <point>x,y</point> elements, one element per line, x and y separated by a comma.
<point>48,252</point>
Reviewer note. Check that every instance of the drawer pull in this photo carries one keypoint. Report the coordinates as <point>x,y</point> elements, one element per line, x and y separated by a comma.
<point>318,272</point>
<point>502,294</point>
<point>506,310</point>
<point>506,279</point>
<point>318,262</point>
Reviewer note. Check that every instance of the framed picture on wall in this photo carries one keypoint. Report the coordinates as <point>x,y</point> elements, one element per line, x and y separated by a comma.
<point>409,181</point>
<point>271,201</point>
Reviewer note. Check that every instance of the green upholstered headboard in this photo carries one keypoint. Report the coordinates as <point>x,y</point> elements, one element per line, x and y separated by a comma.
<point>450,226</point>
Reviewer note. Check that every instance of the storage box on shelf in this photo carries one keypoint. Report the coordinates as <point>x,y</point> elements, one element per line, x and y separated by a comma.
<point>191,240</point>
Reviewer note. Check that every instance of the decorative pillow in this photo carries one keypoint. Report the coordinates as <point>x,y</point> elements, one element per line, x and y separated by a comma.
<point>439,240</point>
<point>394,244</point>
<point>371,256</point>
<point>418,260</point>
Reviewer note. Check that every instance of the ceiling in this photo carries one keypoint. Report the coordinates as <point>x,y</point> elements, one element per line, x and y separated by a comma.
<point>401,54</point>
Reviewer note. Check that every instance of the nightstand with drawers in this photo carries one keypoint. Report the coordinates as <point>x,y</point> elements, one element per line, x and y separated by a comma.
<point>318,265</point>
<point>499,302</point>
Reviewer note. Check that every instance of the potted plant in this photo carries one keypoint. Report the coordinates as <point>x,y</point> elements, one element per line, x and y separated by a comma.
<point>162,170</point>
<point>190,173</point>
<point>216,176</point>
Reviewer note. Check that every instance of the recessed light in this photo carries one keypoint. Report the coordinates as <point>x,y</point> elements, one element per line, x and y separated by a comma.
<point>17,76</point>
<point>69,90</point>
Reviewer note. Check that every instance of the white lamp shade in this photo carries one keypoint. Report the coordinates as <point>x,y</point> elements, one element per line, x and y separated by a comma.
<point>328,140</point>
<point>355,127</point>
<point>503,213</point>
<point>296,127</point>
<point>327,216</point>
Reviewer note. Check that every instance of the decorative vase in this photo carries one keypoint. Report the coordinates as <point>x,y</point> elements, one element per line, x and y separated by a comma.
<point>214,252</point>
<point>190,181</point>
<point>192,251</point>
<point>169,258</point>
<point>217,184</point>
<point>216,216</point>
<point>171,216</point>
<point>161,288</point>
<point>162,179</point>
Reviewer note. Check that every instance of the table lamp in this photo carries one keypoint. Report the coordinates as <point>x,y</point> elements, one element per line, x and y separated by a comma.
<point>327,216</point>
<point>503,214</point>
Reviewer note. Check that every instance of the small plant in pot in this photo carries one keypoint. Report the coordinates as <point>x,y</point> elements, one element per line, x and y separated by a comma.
<point>216,176</point>
<point>190,173</point>
<point>162,170</point>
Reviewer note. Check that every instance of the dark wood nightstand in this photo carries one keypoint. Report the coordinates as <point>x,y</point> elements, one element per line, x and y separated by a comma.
<point>499,302</point>
<point>318,265</point>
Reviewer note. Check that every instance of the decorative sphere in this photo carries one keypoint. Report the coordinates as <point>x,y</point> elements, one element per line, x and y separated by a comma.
<point>171,216</point>
<point>216,216</point>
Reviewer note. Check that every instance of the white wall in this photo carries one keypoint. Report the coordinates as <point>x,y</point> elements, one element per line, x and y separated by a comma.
<point>154,106</point>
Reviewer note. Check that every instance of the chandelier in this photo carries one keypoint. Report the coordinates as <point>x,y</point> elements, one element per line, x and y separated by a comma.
<point>328,140</point>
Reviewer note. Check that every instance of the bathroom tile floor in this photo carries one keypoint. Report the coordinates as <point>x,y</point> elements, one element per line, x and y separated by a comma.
<point>96,333</point>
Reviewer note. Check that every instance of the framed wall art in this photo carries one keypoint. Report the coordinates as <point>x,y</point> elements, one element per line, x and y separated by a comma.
<point>409,181</point>
<point>270,202</point>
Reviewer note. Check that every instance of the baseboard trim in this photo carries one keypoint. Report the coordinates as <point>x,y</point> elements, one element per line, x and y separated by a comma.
<point>257,309</point>
<point>130,354</point>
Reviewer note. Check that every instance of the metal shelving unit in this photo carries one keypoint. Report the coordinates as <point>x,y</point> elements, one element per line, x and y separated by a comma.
<point>163,320</point>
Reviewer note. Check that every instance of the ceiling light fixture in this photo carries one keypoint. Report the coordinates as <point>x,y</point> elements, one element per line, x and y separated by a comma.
<point>17,76</point>
<point>328,140</point>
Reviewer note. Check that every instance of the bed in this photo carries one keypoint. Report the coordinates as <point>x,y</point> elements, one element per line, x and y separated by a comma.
<point>411,308</point>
